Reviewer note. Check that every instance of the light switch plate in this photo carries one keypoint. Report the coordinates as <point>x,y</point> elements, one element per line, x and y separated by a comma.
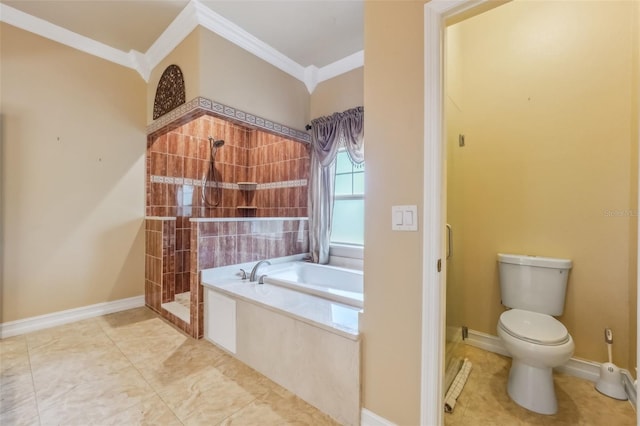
<point>404,218</point>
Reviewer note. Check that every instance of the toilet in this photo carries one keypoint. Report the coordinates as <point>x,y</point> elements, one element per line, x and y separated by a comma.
<point>534,289</point>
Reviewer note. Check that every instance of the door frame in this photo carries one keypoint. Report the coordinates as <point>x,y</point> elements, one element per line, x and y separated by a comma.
<point>436,12</point>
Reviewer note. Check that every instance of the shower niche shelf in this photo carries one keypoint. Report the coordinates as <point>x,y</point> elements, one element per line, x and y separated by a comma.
<point>248,192</point>
<point>247,186</point>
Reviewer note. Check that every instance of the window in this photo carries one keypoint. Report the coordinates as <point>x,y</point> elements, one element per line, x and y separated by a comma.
<point>348,206</point>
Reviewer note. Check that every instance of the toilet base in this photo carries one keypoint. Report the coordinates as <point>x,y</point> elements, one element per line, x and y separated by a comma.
<point>532,388</point>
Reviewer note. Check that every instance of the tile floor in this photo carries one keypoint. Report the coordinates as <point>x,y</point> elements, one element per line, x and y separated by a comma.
<point>133,368</point>
<point>484,400</point>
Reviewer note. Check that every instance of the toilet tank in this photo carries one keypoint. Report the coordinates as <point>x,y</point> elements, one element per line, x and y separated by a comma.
<point>533,283</point>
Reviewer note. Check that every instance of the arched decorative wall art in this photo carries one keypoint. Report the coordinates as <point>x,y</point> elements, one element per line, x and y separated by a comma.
<point>170,92</point>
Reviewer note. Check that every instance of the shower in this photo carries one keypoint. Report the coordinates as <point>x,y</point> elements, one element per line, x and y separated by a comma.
<point>210,175</point>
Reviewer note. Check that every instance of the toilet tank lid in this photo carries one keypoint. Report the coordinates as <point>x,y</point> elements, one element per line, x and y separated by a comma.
<point>543,262</point>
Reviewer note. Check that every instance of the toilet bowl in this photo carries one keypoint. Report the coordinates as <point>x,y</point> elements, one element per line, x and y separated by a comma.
<point>534,288</point>
<point>537,343</point>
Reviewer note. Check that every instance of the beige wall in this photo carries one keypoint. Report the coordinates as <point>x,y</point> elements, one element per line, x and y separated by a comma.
<point>72,196</point>
<point>338,94</point>
<point>235,77</point>
<point>185,55</point>
<point>550,162</point>
<point>219,70</point>
<point>393,101</point>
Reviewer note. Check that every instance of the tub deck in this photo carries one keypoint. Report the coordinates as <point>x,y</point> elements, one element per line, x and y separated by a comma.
<point>308,344</point>
<point>330,315</point>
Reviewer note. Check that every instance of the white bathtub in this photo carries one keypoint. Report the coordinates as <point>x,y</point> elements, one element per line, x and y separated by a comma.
<point>327,296</point>
<point>299,328</point>
<point>329,282</point>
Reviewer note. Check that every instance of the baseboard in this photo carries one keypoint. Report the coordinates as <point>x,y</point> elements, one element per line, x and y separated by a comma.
<point>589,370</point>
<point>27,325</point>
<point>584,369</point>
<point>630,388</point>
<point>369,418</point>
<point>485,341</point>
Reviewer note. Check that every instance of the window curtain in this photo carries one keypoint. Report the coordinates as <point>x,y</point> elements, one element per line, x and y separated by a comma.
<point>327,134</point>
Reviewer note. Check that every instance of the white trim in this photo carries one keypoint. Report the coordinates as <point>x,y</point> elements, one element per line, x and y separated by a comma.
<point>433,292</point>
<point>61,35</point>
<point>236,35</point>
<point>342,66</point>
<point>630,388</point>
<point>582,368</point>
<point>140,62</point>
<point>171,37</point>
<point>41,322</point>
<point>434,205</point>
<point>193,14</point>
<point>346,256</point>
<point>485,341</point>
<point>346,250</point>
<point>310,78</point>
<point>369,418</point>
<point>636,400</point>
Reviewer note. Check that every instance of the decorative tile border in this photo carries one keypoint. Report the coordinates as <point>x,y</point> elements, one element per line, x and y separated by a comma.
<point>200,106</point>
<point>226,185</point>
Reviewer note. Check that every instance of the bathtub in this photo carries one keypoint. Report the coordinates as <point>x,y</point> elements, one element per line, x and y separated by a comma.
<point>299,328</point>
<point>329,282</point>
<point>330,297</point>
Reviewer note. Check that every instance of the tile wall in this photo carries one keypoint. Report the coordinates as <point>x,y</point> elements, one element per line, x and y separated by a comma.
<point>227,243</point>
<point>177,160</point>
<point>183,255</point>
<point>160,245</point>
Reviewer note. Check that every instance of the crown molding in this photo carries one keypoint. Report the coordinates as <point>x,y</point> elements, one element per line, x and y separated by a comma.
<point>216,23</point>
<point>310,78</point>
<point>172,36</point>
<point>194,14</point>
<point>46,29</point>
<point>342,66</point>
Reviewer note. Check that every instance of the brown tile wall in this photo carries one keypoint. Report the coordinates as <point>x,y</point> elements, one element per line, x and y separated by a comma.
<point>272,159</point>
<point>153,264</point>
<point>183,258</point>
<point>247,155</point>
<point>168,260</point>
<point>227,243</point>
<point>160,263</point>
<point>183,153</point>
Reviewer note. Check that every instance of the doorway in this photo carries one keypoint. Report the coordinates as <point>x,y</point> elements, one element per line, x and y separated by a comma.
<point>434,294</point>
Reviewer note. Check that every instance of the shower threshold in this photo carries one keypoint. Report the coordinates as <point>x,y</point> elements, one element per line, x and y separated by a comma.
<point>180,307</point>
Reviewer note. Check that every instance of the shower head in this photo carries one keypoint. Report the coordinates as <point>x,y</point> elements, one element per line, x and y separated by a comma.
<point>216,143</point>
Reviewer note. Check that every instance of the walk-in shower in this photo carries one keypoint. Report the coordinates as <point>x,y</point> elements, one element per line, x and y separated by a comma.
<point>211,177</point>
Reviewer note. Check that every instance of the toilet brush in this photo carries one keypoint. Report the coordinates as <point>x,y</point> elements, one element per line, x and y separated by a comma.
<point>610,382</point>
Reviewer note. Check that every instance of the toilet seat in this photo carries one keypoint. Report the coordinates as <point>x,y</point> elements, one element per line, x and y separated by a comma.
<point>533,327</point>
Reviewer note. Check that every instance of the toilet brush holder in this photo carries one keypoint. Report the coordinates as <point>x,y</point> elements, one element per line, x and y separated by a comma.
<point>610,381</point>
